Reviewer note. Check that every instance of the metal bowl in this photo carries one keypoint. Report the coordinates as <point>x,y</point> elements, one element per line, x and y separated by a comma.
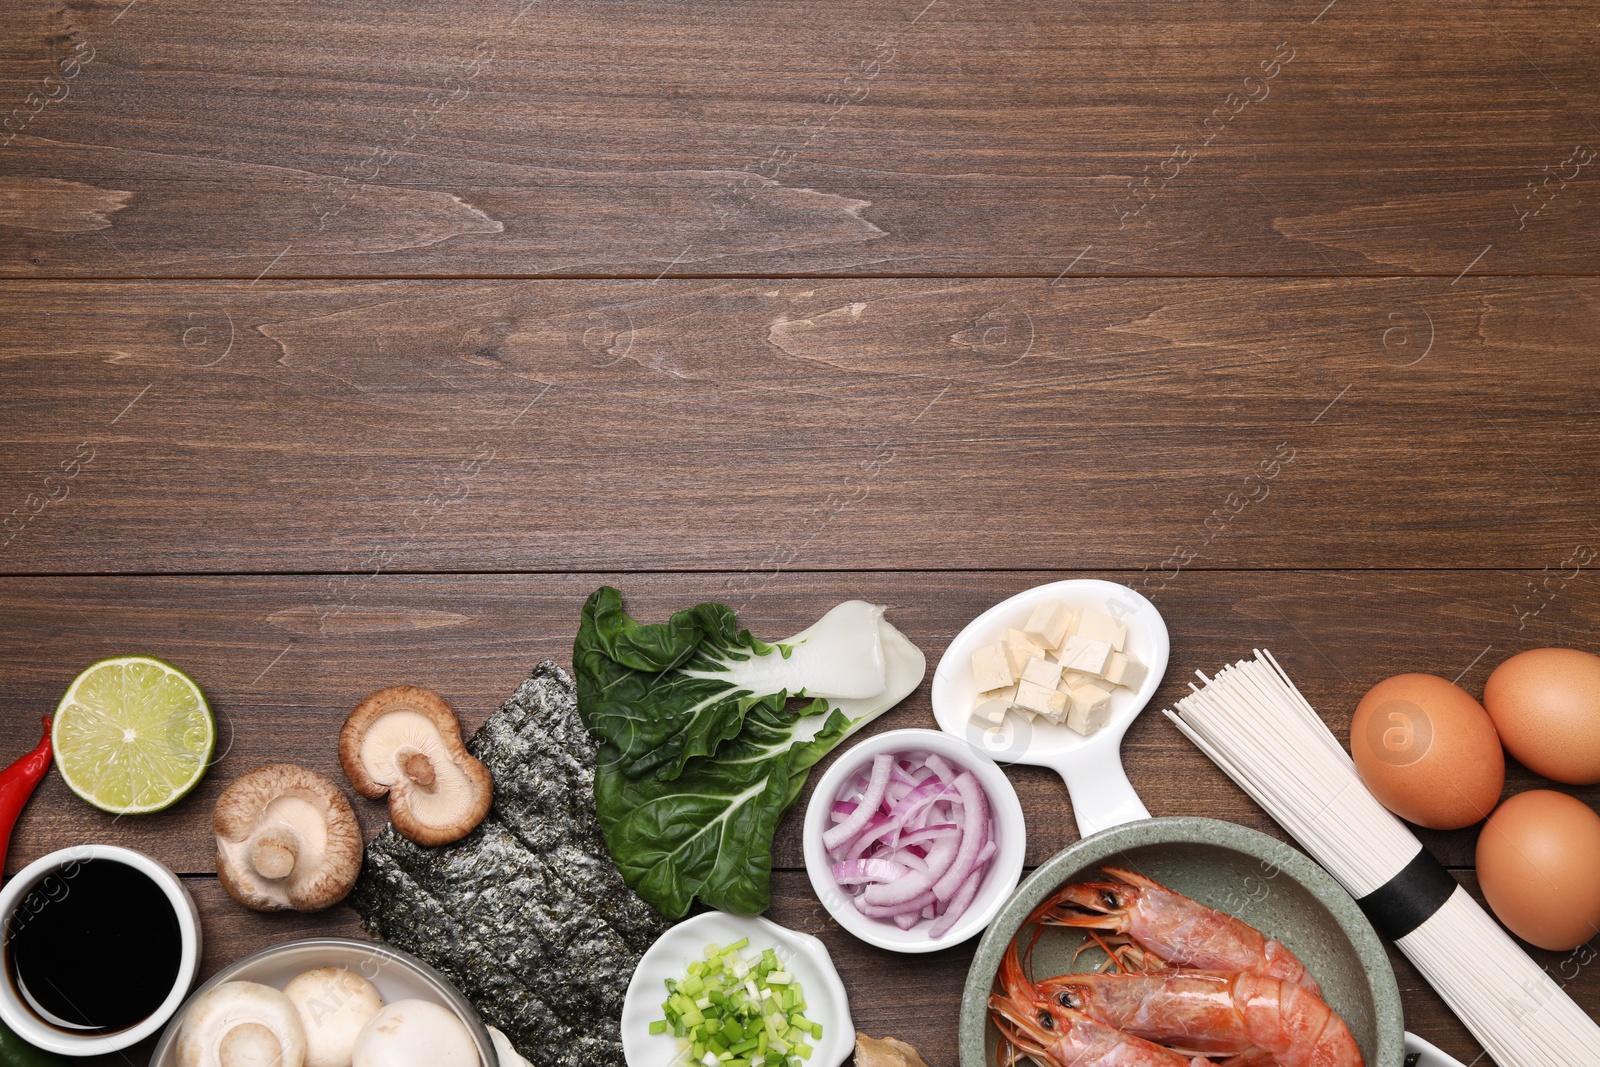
<point>398,976</point>
<point>1228,867</point>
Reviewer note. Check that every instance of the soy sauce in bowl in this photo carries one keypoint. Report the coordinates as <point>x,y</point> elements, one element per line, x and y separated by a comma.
<point>94,948</point>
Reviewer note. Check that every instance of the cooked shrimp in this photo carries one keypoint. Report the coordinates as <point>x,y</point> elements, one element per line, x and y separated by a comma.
<point>1170,926</point>
<point>1031,1025</point>
<point>1211,1012</point>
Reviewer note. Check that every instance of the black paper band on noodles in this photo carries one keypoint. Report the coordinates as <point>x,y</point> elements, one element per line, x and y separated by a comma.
<point>1410,898</point>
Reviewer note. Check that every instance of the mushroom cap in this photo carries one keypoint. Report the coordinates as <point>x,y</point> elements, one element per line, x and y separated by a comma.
<point>415,1033</point>
<point>241,1024</point>
<point>286,838</point>
<point>334,1004</point>
<point>405,741</point>
<point>507,1052</point>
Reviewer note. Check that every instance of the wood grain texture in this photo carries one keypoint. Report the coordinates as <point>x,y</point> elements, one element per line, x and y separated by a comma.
<point>283,664</point>
<point>356,344</point>
<point>964,423</point>
<point>844,136</point>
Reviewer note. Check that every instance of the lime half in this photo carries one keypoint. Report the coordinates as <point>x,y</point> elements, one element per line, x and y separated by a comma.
<point>132,735</point>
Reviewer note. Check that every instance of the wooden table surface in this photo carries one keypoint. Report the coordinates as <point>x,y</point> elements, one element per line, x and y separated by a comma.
<point>344,345</point>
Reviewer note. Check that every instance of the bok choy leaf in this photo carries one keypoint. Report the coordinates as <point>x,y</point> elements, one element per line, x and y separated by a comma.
<point>700,755</point>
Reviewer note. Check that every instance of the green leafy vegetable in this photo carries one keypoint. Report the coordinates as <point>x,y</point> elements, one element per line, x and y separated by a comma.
<point>700,755</point>
<point>654,720</point>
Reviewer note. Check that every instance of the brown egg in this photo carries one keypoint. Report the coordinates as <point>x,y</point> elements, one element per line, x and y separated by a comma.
<point>1428,751</point>
<point>1546,705</point>
<point>1539,867</point>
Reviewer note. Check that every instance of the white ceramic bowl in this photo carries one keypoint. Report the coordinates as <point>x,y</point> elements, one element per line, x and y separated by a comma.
<point>1091,766</point>
<point>58,869</point>
<point>805,957</point>
<point>1005,869</point>
<point>397,975</point>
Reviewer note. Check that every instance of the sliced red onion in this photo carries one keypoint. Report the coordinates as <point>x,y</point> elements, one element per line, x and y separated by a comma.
<point>910,859</point>
<point>941,767</point>
<point>835,836</point>
<point>965,895</point>
<point>929,833</point>
<point>899,891</point>
<point>942,855</point>
<point>898,773</point>
<point>878,827</point>
<point>914,844</point>
<point>975,818</point>
<point>857,872</point>
<point>922,804</point>
<point>910,907</point>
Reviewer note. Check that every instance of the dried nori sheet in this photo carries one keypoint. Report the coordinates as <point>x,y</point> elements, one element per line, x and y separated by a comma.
<point>527,915</point>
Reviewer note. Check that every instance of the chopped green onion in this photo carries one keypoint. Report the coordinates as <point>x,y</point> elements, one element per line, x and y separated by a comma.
<point>732,1011</point>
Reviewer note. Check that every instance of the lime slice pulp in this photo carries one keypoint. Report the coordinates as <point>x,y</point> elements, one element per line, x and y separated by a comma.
<point>132,735</point>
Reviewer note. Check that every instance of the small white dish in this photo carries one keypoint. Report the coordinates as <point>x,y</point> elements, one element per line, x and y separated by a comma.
<point>1431,1056</point>
<point>52,876</point>
<point>805,957</point>
<point>1010,832</point>
<point>1091,766</point>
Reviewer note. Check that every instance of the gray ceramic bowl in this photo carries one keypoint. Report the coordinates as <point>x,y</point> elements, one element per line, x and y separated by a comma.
<point>1233,869</point>
<point>398,976</point>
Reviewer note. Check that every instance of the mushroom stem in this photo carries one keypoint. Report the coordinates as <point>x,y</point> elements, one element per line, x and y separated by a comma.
<point>419,769</point>
<point>273,857</point>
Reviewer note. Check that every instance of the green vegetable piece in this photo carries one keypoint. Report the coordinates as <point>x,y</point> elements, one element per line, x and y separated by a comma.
<point>635,696</point>
<point>694,772</point>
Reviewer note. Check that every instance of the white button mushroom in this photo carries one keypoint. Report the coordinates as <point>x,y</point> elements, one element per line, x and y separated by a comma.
<point>241,1024</point>
<point>286,838</point>
<point>415,1033</point>
<point>334,1004</point>
<point>506,1053</point>
<point>406,741</point>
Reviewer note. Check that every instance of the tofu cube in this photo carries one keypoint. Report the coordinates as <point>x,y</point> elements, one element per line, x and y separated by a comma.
<point>991,712</point>
<point>1048,624</point>
<point>1090,709</point>
<point>1042,701</point>
<point>1019,649</point>
<point>1070,680</point>
<point>1121,669</point>
<point>990,668</point>
<point>1041,671</point>
<point>1084,655</point>
<point>1098,626</point>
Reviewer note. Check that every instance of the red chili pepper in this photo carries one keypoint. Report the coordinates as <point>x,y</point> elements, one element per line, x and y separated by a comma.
<point>16,786</point>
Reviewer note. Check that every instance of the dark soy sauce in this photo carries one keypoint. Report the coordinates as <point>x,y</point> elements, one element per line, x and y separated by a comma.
<point>94,947</point>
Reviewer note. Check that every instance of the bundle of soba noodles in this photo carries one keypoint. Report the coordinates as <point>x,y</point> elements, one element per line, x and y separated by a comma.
<point>1254,724</point>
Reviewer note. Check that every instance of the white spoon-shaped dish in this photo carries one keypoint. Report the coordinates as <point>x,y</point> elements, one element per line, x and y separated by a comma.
<point>1092,766</point>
